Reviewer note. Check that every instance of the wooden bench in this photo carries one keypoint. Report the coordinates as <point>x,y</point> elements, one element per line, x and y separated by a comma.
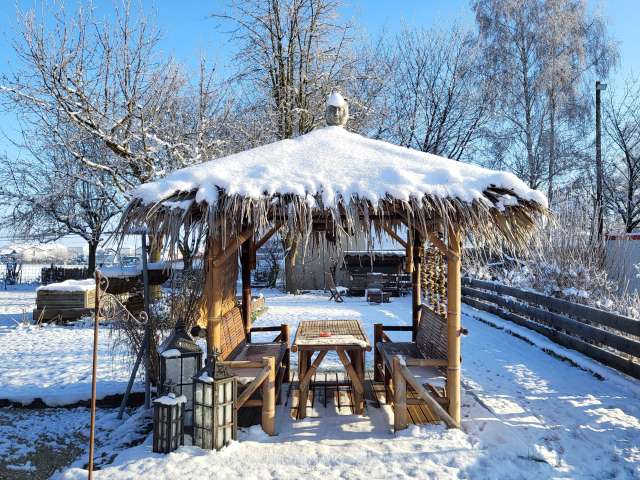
<point>421,364</point>
<point>256,364</point>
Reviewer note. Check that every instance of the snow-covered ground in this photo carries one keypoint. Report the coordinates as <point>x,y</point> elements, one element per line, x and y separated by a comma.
<point>53,363</point>
<point>527,414</point>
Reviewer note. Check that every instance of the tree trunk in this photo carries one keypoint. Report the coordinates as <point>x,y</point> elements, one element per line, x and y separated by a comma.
<point>291,254</point>
<point>93,247</point>
<point>552,147</point>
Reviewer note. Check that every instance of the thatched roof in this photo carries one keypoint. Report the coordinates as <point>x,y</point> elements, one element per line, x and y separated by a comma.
<point>341,179</point>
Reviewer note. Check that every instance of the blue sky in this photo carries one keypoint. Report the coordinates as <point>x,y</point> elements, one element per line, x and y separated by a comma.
<point>189,32</point>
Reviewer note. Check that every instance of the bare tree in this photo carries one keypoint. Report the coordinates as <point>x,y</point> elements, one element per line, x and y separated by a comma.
<point>291,54</point>
<point>540,53</point>
<point>438,94</point>
<point>623,128</point>
<point>48,195</point>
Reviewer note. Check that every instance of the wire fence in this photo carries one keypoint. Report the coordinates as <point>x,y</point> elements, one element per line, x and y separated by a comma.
<point>32,272</point>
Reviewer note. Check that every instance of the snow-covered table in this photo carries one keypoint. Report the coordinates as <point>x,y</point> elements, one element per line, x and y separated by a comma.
<point>347,339</point>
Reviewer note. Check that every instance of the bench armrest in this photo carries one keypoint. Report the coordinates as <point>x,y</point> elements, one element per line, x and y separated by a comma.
<point>379,329</point>
<point>283,337</point>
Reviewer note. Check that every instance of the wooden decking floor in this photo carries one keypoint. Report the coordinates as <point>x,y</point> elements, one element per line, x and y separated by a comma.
<point>334,390</point>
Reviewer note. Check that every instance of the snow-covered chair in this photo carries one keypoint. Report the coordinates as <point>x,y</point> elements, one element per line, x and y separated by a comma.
<point>375,288</point>
<point>421,364</point>
<point>336,292</point>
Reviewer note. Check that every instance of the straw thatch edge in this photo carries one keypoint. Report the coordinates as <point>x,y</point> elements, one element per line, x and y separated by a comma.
<point>485,221</point>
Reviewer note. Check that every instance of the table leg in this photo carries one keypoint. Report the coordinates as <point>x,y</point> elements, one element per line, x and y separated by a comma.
<point>302,369</point>
<point>305,380</point>
<point>358,389</point>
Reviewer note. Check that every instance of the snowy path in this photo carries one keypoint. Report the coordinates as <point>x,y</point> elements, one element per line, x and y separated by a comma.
<point>527,414</point>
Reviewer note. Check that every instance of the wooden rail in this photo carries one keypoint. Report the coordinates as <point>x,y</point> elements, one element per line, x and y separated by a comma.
<point>574,326</point>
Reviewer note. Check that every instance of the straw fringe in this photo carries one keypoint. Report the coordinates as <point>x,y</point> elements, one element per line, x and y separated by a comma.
<point>485,221</point>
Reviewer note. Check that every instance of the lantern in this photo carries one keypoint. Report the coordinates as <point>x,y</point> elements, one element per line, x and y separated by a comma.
<point>180,361</point>
<point>168,422</point>
<point>214,405</point>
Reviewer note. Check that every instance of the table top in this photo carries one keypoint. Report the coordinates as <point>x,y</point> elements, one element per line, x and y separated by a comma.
<point>344,334</point>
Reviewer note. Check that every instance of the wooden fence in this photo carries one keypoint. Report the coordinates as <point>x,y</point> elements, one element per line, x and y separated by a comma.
<point>606,337</point>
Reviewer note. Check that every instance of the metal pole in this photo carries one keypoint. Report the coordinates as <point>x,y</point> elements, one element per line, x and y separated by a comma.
<point>145,293</point>
<point>96,318</point>
<point>136,365</point>
<point>599,173</point>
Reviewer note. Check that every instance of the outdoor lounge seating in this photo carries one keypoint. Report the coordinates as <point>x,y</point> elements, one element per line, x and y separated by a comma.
<point>257,364</point>
<point>422,364</point>
<point>375,289</point>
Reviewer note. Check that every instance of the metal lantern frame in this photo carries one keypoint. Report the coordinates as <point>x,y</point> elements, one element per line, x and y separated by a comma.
<point>215,415</point>
<point>168,422</point>
<point>182,342</point>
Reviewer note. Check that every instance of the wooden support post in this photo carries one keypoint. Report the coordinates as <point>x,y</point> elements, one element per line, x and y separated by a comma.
<point>269,398</point>
<point>399,397</point>
<point>416,279</point>
<point>454,286</point>
<point>409,252</point>
<point>286,337</point>
<point>214,295</point>
<point>377,361</point>
<point>245,261</point>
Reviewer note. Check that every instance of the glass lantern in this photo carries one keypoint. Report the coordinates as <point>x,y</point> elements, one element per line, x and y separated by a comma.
<point>168,422</point>
<point>180,361</point>
<point>214,413</point>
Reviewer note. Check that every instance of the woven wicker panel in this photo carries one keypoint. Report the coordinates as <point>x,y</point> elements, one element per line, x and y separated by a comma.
<point>432,334</point>
<point>232,333</point>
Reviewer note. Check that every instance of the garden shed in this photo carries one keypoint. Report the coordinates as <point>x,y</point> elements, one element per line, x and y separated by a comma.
<point>333,183</point>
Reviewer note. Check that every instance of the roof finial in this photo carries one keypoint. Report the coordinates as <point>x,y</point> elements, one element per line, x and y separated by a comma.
<point>337,110</point>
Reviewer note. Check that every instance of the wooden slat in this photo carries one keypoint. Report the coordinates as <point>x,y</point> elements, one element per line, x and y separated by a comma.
<point>618,322</point>
<point>604,356</point>
<point>584,330</point>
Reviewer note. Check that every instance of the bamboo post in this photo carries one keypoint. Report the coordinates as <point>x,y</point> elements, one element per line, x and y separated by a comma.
<point>214,293</point>
<point>94,370</point>
<point>147,334</point>
<point>245,260</point>
<point>453,324</point>
<point>416,281</point>
<point>399,397</point>
<point>377,361</point>
<point>269,398</point>
<point>286,338</point>
<point>409,253</point>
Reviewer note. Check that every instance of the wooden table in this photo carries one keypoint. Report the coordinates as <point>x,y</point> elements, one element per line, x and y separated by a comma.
<point>347,339</point>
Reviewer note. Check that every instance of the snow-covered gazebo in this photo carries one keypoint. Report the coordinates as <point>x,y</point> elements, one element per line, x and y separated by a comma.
<point>332,180</point>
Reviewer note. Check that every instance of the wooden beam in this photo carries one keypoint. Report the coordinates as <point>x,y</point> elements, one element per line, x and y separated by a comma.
<point>394,235</point>
<point>245,261</point>
<point>232,248</point>
<point>454,287</point>
<point>213,293</point>
<point>355,379</point>
<point>268,235</point>
<point>409,252</point>
<point>416,279</point>
<point>426,396</point>
<point>440,245</point>
<point>252,387</point>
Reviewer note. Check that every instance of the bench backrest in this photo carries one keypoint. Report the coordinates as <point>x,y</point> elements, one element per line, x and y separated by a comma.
<point>233,334</point>
<point>375,280</point>
<point>431,337</point>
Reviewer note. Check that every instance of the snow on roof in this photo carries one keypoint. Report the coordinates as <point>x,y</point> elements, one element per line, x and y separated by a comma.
<point>333,163</point>
<point>70,286</point>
